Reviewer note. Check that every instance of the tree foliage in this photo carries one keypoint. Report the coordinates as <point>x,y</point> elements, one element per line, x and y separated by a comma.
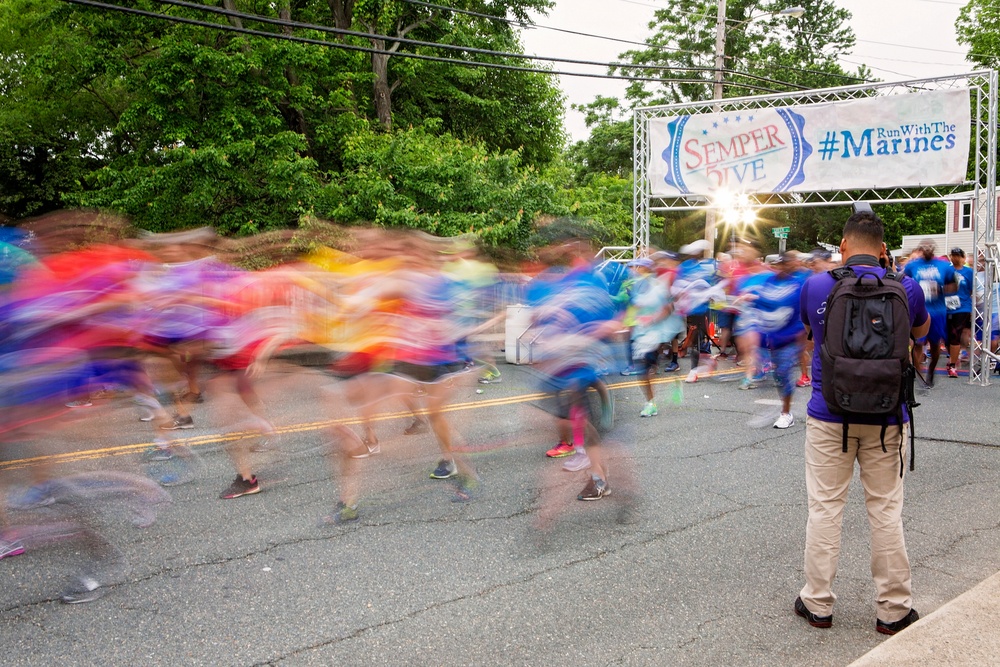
<point>179,125</point>
<point>978,27</point>
<point>763,52</point>
<point>434,182</point>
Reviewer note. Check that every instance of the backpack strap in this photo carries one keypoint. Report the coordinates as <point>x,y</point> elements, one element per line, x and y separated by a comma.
<point>841,272</point>
<point>844,436</point>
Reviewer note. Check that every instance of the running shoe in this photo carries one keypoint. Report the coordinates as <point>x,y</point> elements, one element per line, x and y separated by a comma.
<point>692,377</point>
<point>560,450</point>
<point>368,448</point>
<point>342,514</point>
<point>82,403</point>
<point>671,367</point>
<point>490,377</point>
<point>579,461</point>
<point>747,383</point>
<point>177,422</point>
<point>39,495</point>
<point>785,420</point>
<point>86,590</point>
<point>721,356</point>
<point>241,487</point>
<point>466,489</point>
<point>445,470</point>
<point>650,410</point>
<point>193,397</point>
<point>952,372</point>
<point>416,426</point>
<point>160,454</point>
<point>595,490</point>
<point>804,381</point>
<point>11,549</point>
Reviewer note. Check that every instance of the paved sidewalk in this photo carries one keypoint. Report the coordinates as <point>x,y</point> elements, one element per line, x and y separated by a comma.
<point>962,632</point>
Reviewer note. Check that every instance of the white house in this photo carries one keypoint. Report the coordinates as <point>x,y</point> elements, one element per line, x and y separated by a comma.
<point>957,227</point>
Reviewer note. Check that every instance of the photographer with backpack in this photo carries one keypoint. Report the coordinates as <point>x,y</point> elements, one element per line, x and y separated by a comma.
<point>861,318</point>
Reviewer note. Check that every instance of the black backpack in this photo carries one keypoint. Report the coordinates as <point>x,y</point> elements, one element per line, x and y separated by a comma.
<point>865,354</point>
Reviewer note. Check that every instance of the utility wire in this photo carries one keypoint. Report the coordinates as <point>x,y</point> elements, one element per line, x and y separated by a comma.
<point>536,26</point>
<point>454,47</point>
<point>526,25</point>
<point>395,54</point>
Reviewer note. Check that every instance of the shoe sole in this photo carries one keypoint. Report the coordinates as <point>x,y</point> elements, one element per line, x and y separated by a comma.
<point>451,476</point>
<point>604,494</point>
<point>90,596</point>
<point>249,492</point>
<point>815,624</point>
<point>559,456</point>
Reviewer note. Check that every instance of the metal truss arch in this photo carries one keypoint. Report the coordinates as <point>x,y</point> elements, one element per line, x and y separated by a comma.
<point>981,180</point>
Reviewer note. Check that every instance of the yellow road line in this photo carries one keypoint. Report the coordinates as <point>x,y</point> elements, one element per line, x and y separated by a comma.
<point>218,438</point>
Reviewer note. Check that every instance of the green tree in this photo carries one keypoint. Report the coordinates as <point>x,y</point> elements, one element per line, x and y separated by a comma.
<point>418,179</point>
<point>763,54</point>
<point>178,125</point>
<point>978,27</point>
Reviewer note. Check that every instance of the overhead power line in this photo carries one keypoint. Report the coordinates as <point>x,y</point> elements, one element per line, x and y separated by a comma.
<point>416,56</point>
<point>537,26</point>
<point>673,49</point>
<point>452,47</point>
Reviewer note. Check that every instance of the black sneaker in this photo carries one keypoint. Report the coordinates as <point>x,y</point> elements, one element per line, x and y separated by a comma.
<point>177,422</point>
<point>901,624</point>
<point>444,470</point>
<point>595,490</point>
<point>87,590</point>
<point>241,487</point>
<point>811,618</point>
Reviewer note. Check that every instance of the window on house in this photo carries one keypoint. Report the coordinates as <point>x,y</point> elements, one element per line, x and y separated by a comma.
<point>965,215</point>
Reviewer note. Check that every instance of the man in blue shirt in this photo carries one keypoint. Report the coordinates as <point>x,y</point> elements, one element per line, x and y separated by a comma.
<point>936,278</point>
<point>959,310</point>
<point>829,469</point>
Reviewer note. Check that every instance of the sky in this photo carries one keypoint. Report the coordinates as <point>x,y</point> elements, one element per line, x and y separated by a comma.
<point>897,39</point>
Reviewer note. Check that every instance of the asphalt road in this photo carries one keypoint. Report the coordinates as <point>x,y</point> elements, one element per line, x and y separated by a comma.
<point>702,569</point>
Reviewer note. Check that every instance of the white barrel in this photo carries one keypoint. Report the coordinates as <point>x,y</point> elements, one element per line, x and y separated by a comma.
<point>518,321</point>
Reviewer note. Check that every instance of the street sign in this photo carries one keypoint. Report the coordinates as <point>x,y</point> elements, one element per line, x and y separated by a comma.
<point>777,231</point>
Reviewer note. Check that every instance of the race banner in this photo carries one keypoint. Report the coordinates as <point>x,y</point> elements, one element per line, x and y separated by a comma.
<point>915,139</point>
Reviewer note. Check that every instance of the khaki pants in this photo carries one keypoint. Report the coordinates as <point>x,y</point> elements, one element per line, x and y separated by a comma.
<point>828,475</point>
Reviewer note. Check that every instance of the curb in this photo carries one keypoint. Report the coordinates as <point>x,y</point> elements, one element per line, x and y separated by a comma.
<point>962,632</point>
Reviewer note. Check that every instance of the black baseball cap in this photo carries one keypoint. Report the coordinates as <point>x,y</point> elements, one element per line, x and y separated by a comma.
<point>958,251</point>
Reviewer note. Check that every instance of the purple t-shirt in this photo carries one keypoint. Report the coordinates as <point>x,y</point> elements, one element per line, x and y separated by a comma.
<point>814,295</point>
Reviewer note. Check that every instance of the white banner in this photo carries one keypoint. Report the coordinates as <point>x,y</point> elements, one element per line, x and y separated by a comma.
<point>891,141</point>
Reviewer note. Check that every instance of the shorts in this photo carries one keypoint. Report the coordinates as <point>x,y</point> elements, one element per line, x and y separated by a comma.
<point>646,361</point>
<point>425,372</point>
<point>724,319</point>
<point>938,331</point>
<point>958,323</point>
